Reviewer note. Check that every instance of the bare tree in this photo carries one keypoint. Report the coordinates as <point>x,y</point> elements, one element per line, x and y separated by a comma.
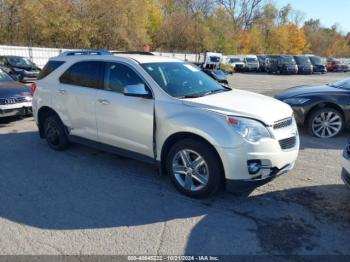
<point>242,12</point>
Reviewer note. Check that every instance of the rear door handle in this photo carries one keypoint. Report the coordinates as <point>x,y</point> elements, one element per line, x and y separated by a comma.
<point>104,102</point>
<point>62,91</point>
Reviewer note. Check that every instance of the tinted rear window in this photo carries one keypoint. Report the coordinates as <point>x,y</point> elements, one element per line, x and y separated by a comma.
<point>87,73</point>
<point>49,68</point>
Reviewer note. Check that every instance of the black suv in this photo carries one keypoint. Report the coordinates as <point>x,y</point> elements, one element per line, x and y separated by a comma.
<point>20,68</point>
<point>281,64</point>
<point>304,64</point>
<point>319,64</point>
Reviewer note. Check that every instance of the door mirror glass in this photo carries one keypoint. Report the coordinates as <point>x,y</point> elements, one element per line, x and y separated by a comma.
<point>138,90</point>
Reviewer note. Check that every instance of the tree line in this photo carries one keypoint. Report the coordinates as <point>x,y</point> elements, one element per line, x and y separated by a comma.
<point>227,26</point>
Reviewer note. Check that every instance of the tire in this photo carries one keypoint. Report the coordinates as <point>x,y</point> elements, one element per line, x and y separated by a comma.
<point>55,134</point>
<point>325,123</point>
<point>206,177</point>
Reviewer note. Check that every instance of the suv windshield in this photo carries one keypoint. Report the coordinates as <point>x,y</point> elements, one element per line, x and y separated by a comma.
<point>235,60</point>
<point>302,60</point>
<point>316,60</point>
<point>20,62</point>
<point>4,77</point>
<point>251,60</point>
<point>288,60</point>
<point>182,80</point>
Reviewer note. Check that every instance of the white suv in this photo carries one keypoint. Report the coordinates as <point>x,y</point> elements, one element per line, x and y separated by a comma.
<point>167,112</point>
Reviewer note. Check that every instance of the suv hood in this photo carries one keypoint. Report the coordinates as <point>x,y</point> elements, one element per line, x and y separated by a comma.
<point>243,103</point>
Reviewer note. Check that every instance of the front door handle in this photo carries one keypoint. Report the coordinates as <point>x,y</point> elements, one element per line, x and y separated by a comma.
<point>61,91</point>
<point>104,102</point>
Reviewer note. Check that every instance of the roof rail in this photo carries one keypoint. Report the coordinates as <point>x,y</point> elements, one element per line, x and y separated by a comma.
<point>131,52</point>
<point>86,52</point>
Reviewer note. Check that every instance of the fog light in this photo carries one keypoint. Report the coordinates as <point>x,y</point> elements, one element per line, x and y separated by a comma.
<point>254,166</point>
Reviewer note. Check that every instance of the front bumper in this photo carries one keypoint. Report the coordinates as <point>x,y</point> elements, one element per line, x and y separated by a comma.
<point>20,109</point>
<point>274,161</point>
<point>291,71</point>
<point>28,79</point>
<point>240,185</point>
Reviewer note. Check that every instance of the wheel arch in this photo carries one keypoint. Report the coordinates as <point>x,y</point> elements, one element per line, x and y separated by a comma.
<point>44,112</point>
<point>172,139</point>
<point>324,105</point>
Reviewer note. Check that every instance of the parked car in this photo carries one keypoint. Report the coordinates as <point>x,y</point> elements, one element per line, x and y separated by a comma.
<point>15,97</point>
<point>345,174</point>
<point>304,64</point>
<point>20,67</point>
<point>237,62</point>
<point>337,66</point>
<point>281,64</point>
<point>251,63</point>
<point>217,75</point>
<point>324,110</point>
<point>262,62</point>
<point>319,64</point>
<point>167,112</point>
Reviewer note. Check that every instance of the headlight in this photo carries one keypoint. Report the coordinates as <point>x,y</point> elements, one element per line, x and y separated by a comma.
<point>249,129</point>
<point>296,101</point>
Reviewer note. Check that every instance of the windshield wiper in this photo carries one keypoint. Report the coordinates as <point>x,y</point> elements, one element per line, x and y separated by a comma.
<point>204,94</point>
<point>189,96</point>
<point>214,91</point>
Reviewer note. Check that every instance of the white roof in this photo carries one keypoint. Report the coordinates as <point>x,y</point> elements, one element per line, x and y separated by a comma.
<point>142,59</point>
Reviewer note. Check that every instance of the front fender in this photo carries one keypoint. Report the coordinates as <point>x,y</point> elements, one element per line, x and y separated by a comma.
<point>180,118</point>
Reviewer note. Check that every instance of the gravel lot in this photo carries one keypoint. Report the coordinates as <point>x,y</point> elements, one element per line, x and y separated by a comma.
<point>83,201</point>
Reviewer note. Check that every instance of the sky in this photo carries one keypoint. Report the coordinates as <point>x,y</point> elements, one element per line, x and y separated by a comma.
<point>330,12</point>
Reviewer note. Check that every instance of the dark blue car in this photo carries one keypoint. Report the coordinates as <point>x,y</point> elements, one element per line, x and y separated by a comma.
<point>15,97</point>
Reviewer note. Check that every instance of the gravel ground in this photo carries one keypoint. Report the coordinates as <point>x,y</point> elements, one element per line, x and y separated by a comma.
<point>84,201</point>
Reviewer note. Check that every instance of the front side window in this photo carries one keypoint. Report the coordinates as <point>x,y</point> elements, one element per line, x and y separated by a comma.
<point>182,80</point>
<point>87,74</point>
<point>118,76</point>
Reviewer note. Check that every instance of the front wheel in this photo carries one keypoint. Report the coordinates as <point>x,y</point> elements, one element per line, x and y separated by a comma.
<point>194,168</point>
<point>325,123</point>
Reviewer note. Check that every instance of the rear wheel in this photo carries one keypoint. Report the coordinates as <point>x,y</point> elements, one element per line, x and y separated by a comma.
<point>325,123</point>
<point>194,168</point>
<point>55,133</point>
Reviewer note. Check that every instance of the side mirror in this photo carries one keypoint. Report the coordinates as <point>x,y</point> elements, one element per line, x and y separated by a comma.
<point>138,90</point>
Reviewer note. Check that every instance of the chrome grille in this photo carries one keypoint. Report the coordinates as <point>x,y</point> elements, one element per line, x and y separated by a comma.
<point>283,123</point>
<point>12,100</point>
<point>288,143</point>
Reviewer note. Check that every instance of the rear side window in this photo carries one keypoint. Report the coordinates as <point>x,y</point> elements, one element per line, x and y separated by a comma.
<point>87,73</point>
<point>49,68</point>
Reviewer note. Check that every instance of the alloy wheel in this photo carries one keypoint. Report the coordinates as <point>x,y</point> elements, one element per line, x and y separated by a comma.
<point>326,124</point>
<point>190,170</point>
